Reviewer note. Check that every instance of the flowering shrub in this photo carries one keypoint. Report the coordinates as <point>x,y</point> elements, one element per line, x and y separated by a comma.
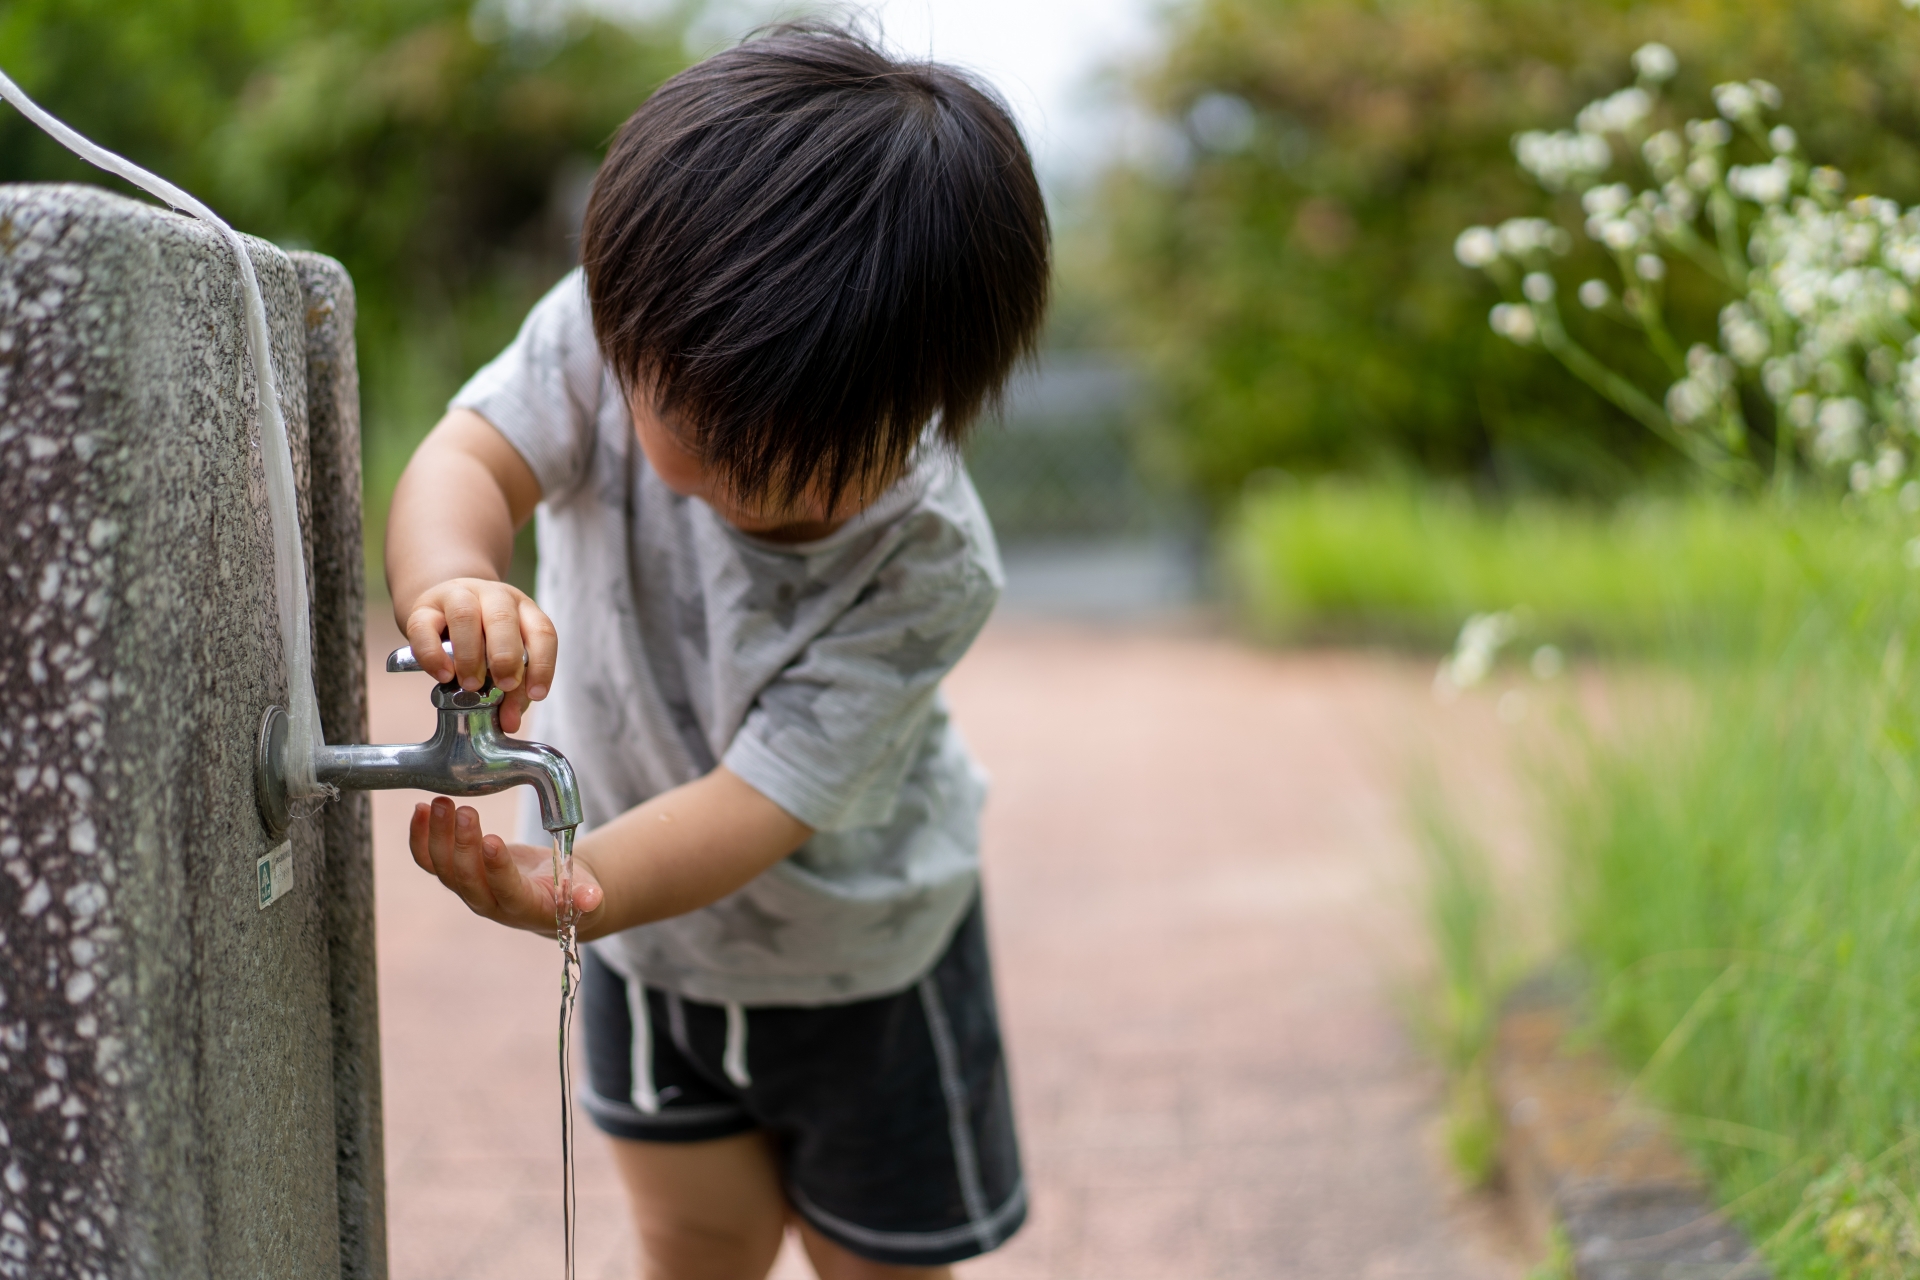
<point>1817,336</point>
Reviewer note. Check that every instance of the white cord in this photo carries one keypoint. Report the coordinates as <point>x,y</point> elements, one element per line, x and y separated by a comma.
<point>289,559</point>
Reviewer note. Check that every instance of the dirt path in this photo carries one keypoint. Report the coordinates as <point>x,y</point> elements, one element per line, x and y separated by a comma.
<point>1203,902</point>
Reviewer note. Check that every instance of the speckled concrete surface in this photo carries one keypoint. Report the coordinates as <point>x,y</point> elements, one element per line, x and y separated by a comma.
<point>166,1082</point>
<point>1202,898</point>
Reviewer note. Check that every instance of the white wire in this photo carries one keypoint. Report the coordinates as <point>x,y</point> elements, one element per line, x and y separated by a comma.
<point>289,559</point>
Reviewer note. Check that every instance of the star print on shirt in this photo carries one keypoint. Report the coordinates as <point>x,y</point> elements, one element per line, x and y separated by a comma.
<point>690,622</point>
<point>746,922</point>
<point>915,654</point>
<point>902,914</point>
<point>681,712</point>
<point>779,591</point>
<point>799,701</point>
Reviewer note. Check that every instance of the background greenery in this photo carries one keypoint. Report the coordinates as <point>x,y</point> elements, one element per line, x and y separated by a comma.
<point>1744,883</point>
<point>1285,255</point>
<point>439,151</point>
<point>1665,575</point>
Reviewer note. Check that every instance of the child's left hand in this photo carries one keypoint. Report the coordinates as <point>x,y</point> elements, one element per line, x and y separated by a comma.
<point>511,884</point>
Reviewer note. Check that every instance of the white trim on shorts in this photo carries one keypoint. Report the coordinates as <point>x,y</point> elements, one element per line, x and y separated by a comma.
<point>907,1241</point>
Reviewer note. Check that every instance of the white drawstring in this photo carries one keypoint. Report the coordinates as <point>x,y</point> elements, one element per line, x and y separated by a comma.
<point>645,1098</point>
<point>734,1060</point>
<point>289,560</point>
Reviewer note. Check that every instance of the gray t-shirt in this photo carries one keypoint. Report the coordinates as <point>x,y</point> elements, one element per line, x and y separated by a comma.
<point>811,670</point>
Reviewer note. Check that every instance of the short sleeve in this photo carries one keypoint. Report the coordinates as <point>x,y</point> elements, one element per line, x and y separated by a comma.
<point>832,738</point>
<point>544,392</point>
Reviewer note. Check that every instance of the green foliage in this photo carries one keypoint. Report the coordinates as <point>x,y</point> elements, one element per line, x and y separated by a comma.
<point>437,150</point>
<point>1341,560</point>
<point>1744,880</point>
<point>1291,270</point>
<point>1462,907</point>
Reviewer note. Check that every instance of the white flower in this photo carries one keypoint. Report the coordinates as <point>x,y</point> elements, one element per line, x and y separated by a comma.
<point>1477,247</point>
<point>1655,62</point>
<point>1802,410</point>
<point>1837,429</point>
<point>1769,183</point>
<point>1680,202</point>
<point>1594,294</point>
<point>1663,152</point>
<point>1562,160</point>
<point>1903,255</point>
<point>1650,267</point>
<point>1621,112</point>
<point>1608,201</point>
<point>1480,641</point>
<point>1514,323</point>
<point>1538,286</point>
<point>1780,376</point>
<point>1619,234</point>
<point>1744,336</point>
<point>1888,466</point>
<point>1709,133</point>
<point>1767,92</point>
<point>1783,139</point>
<point>1735,101</point>
<point>1703,172</point>
<point>1859,477</point>
<point>1827,180</point>
<point>1689,401</point>
<point>1520,237</point>
<point>1709,376</point>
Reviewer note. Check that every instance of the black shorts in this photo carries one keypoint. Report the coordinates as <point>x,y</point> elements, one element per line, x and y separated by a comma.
<point>891,1116</point>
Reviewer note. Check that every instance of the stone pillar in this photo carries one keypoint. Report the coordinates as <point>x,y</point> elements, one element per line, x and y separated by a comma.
<point>189,1081</point>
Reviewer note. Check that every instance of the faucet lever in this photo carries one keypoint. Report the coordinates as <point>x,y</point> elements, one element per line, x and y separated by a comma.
<point>402,659</point>
<point>468,755</point>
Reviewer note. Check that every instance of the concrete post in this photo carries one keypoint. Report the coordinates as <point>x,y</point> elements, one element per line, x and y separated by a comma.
<point>189,1081</point>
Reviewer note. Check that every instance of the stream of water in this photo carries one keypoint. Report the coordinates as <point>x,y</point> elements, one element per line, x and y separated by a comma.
<point>566,920</point>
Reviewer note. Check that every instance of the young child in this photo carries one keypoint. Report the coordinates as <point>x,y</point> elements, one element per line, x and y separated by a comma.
<point>808,268</point>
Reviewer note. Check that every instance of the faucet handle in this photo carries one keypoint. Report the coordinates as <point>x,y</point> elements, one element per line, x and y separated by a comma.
<point>402,659</point>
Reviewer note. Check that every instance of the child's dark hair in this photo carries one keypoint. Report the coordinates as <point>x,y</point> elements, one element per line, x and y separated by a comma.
<point>803,250</point>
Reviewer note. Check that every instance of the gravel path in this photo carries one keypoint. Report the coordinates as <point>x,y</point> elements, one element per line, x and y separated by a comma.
<point>1203,902</point>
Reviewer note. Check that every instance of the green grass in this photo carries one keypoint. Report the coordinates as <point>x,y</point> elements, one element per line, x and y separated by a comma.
<point>1741,855</point>
<point>1475,970</point>
<point>1743,878</point>
<point>1380,561</point>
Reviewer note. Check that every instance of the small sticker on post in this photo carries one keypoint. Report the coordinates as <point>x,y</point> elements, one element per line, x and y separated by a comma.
<point>275,872</point>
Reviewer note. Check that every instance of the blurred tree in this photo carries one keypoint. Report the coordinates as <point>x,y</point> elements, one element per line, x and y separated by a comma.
<point>440,149</point>
<point>1285,251</point>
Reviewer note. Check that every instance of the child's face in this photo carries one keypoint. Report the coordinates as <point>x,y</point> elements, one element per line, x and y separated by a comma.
<point>687,475</point>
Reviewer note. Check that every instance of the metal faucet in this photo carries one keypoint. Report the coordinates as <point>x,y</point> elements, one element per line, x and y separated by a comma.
<point>466,756</point>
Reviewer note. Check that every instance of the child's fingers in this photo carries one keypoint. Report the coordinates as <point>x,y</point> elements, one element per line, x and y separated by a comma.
<point>424,626</point>
<point>506,652</point>
<point>515,898</point>
<point>543,648</point>
<point>467,866</point>
<point>417,837</point>
<point>440,839</point>
<point>513,709</point>
<point>466,627</point>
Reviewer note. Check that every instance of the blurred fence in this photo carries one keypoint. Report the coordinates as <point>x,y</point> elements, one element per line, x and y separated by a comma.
<point>1085,529</point>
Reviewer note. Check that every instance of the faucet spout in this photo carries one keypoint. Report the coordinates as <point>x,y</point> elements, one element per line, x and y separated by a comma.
<point>467,755</point>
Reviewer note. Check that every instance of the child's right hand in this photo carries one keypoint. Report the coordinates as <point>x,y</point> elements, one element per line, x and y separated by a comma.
<point>496,630</point>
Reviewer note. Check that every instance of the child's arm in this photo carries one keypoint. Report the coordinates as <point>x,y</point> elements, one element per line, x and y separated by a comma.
<point>679,851</point>
<point>449,544</point>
